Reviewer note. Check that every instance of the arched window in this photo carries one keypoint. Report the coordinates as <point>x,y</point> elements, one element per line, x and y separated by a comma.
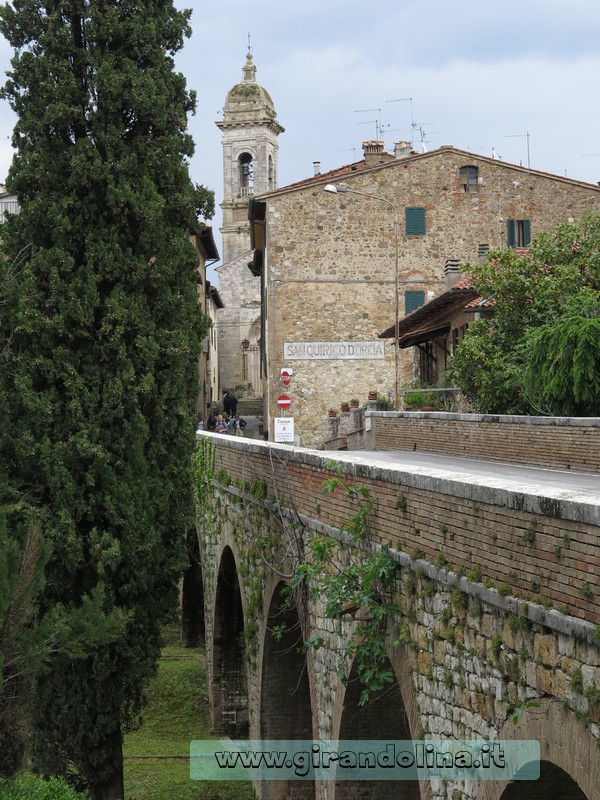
<point>246,173</point>
<point>468,178</point>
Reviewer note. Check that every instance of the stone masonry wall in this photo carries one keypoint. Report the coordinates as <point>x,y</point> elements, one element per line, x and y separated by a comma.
<point>474,653</point>
<point>330,262</point>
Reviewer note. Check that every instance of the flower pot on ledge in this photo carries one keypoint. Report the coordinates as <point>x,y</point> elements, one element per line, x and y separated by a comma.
<point>373,395</point>
<point>332,412</point>
<point>345,407</point>
<point>354,403</point>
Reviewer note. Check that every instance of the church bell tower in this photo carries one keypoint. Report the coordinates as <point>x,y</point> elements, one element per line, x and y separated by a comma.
<point>249,131</point>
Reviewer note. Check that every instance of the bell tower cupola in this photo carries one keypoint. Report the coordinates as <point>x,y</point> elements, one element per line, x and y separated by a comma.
<point>250,154</point>
<point>249,131</point>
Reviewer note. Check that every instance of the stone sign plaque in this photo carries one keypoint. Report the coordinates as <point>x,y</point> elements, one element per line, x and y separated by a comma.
<point>320,351</point>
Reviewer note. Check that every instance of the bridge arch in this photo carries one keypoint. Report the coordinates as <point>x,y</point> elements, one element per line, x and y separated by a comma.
<point>389,714</point>
<point>193,630</point>
<point>568,757</point>
<point>285,695</point>
<point>229,684</point>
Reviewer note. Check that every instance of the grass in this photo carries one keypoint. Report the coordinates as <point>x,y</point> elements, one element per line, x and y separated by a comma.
<point>177,712</point>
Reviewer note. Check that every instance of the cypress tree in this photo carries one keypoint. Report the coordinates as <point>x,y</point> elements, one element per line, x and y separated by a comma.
<point>102,332</point>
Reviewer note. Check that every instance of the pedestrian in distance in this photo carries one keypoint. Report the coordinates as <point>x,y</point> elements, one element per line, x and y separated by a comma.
<point>238,425</point>
<point>232,405</point>
<point>211,422</point>
<point>221,426</point>
<point>227,402</point>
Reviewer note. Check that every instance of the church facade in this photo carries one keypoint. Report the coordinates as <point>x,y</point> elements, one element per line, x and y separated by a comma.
<point>250,147</point>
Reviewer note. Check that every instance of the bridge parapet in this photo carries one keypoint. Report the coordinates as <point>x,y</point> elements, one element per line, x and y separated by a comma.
<point>553,442</point>
<point>535,542</point>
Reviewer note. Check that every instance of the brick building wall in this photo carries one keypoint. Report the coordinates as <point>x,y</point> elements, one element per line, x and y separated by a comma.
<point>330,264</point>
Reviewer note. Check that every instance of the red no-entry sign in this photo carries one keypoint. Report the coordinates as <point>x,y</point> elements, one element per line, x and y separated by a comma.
<point>283,401</point>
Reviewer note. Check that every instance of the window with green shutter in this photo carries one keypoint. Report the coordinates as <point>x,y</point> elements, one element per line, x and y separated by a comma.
<point>413,300</point>
<point>415,221</point>
<point>518,232</point>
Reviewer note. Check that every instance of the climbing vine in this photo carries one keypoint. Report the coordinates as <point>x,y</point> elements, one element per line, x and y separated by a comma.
<point>204,470</point>
<point>356,580</point>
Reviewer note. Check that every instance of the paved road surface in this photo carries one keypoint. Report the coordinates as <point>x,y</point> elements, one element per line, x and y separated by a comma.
<point>252,429</point>
<point>476,471</point>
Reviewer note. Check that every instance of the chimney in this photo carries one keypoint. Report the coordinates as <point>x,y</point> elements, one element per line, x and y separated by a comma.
<point>317,167</point>
<point>373,152</point>
<point>452,271</point>
<point>402,149</point>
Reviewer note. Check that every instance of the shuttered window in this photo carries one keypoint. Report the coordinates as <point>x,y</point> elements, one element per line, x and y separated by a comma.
<point>518,232</point>
<point>413,300</point>
<point>415,221</point>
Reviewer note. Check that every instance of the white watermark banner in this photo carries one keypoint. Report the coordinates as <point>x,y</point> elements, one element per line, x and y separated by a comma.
<point>315,351</point>
<point>368,760</point>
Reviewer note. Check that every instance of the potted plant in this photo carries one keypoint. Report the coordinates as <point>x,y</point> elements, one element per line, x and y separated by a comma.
<point>345,406</point>
<point>332,412</point>
<point>373,394</point>
<point>354,403</point>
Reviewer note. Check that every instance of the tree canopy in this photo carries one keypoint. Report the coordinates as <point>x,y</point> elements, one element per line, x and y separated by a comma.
<point>540,353</point>
<point>102,332</point>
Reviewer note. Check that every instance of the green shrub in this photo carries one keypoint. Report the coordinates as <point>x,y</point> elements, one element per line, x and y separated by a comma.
<point>27,787</point>
<point>383,404</point>
<point>420,400</point>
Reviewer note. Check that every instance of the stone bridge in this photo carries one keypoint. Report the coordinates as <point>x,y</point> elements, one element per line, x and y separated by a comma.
<point>496,633</point>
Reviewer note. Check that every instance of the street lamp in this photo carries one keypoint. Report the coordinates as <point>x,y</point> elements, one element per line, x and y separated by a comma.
<point>340,188</point>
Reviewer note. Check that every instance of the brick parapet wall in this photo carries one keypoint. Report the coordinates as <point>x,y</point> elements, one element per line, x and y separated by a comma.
<point>535,543</point>
<point>554,442</point>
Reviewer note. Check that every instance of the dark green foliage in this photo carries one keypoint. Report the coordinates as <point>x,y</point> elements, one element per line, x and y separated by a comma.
<point>103,330</point>
<point>539,353</point>
<point>29,788</point>
<point>22,638</point>
<point>561,376</point>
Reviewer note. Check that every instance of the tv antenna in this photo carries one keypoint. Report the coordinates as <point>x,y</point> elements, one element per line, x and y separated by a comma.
<point>378,126</point>
<point>521,136</point>
<point>347,150</point>
<point>421,128</point>
<point>406,100</point>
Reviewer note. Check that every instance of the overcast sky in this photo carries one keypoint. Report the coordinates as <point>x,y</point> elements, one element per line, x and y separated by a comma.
<point>481,75</point>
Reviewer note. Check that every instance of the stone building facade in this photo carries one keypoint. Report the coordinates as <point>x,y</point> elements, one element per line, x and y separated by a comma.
<point>329,270</point>
<point>250,161</point>
<point>209,302</point>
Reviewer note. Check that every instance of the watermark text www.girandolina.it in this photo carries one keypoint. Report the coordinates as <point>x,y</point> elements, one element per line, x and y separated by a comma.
<point>364,760</point>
